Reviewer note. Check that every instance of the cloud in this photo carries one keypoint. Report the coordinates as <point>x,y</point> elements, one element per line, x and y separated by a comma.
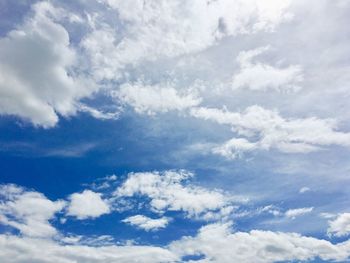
<point>97,114</point>
<point>293,213</point>
<point>235,148</point>
<point>87,204</point>
<point>265,129</point>
<point>262,77</point>
<point>168,191</point>
<point>37,80</point>
<point>17,249</point>
<point>147,223</point>
<point>158,29</point>
<point>152,99</point>
<point>217,243</point>
<point>28,211</point>
<point>304,190</point>
<point>340,226</point>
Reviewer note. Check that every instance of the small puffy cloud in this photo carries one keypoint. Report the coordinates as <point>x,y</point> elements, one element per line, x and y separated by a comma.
<point>87,204</point>
<point>262,77</point>
<point>340,226</point>
<point>235,148</point>
<point>293,213</point>
<point>28,211</point>
<point>304,190</point>
<point>264,129</point>
<point>37,82</point>
<point>169,191</point>
<point>152,99</point>
<point>271,209</point>
<point>147,223</point>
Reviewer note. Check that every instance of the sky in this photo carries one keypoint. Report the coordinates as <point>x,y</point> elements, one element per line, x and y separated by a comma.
<point>168,131</point>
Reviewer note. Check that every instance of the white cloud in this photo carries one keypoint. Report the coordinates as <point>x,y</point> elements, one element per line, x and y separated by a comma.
<point>304,190</point>
<point>87,204</point>
<point>154,29</point>
<point>265,129</point>
<point>340,226</point>
<point>28,211</point>
<point>235,148</point>
<point>17,250</point>
<point>147,223</point>
<point>97,113</point>
<point>271,209</point>
<point>261,76</point>
<point>151,99</point>
<point>293,213</point>
<point>169,191</point>
<point>37,82</point>
<point>216,243</point>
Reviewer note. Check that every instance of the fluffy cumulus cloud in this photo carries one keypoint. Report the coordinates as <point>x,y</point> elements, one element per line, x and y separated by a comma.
<point>151,99</point>
<point>87,204</point>
<point>217,243</point>
<point>147,223</point>
<point>340,226</point>
<point>155,29</point>
<point>16,250</point>
<point>37,81</point>
<point>27,211</point>
<point>264,129</point>
<point>169,191</point>
<point>261,76</point>
<point>214,243</point>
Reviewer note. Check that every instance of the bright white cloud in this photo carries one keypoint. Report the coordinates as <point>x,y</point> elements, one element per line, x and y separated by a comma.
<point>169,191</point>
<point>28,211</point>
<point>340,226</point>
<point>155,29</point>
<point>261,76</point>
<point>293,213</point>
<point>151,99</point>
<point>17,250</point>
<point>265,129</point>
<point>217,243</point>
<point>36,80</point>
<point>147,223</point>
<point>87,204</point>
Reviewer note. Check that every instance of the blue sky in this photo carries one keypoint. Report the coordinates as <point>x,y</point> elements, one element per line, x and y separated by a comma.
<point>174,131</point>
